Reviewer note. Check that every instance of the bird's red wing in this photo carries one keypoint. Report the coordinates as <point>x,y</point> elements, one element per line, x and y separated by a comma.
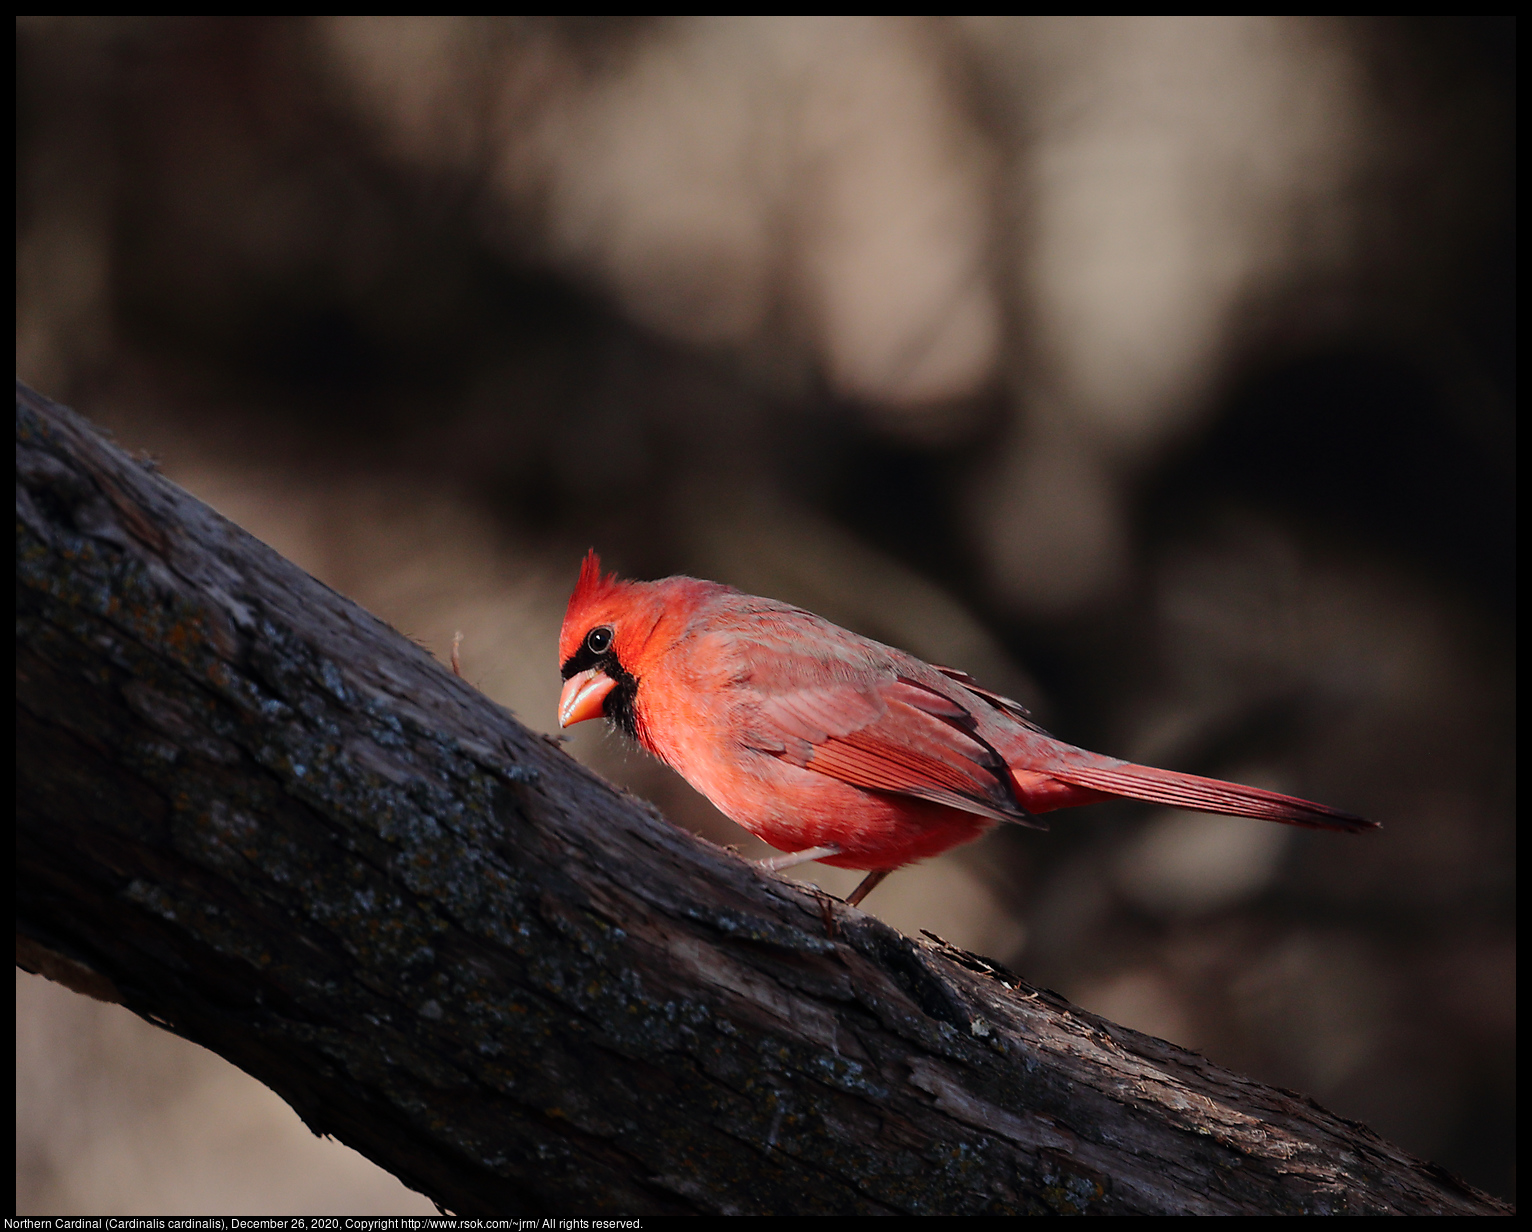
<point>1012,709</point>
<point>889,736</point>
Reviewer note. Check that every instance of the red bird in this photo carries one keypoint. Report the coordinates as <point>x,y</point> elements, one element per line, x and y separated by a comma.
<point>834,747</point>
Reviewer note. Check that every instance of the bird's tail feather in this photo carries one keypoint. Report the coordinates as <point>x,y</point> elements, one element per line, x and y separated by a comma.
<point>1191,791</point>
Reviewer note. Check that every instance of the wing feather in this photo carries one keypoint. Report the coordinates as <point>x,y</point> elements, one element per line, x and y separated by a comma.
<point>875,729</point>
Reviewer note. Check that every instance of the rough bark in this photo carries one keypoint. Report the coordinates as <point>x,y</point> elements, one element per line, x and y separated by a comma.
<point>261,818</point>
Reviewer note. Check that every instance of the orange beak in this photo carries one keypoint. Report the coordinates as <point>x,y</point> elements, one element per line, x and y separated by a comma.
<point>584,696</point>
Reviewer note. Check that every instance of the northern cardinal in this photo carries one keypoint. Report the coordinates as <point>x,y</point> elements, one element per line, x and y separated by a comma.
<point>831,746</point>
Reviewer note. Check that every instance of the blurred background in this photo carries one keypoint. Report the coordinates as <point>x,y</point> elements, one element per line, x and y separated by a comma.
<point>1159,372</point>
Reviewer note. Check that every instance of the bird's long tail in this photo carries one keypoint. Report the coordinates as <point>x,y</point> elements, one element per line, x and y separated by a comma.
<point>1191,791</point>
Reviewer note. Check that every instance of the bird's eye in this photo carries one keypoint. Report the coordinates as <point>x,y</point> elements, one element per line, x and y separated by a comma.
<point>599,640</point>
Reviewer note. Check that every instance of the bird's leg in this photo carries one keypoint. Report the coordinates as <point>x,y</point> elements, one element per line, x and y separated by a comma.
<point>777,863</point>
<point>868,884</point>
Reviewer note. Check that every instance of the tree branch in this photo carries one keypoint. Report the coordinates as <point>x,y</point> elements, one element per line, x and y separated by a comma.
<point>261,818</point>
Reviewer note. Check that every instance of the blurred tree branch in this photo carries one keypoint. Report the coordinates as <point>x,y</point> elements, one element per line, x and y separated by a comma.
<point>259,817</point>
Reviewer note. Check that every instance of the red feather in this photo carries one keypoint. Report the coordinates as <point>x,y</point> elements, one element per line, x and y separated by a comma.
<point>811,736</point>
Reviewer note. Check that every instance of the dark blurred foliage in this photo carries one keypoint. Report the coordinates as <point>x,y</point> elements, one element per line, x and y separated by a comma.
<point>240,250</point>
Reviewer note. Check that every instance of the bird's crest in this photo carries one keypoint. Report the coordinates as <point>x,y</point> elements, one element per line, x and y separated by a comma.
<point>592,587</point>
<point>590,590</point>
